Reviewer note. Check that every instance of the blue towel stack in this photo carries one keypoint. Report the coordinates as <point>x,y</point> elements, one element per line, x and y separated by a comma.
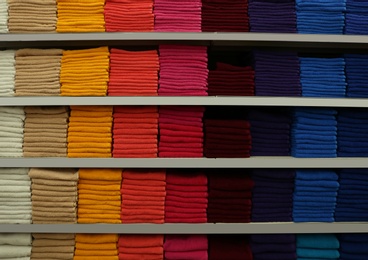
<point>320,16</point>
<point>352,199</point>
<point>356,70</point>
<point>315,195</point>
<point>317,246</point>
<point>322,77</point>
<point>270,247</point>
<point>314,133</point>
<point>353,246</point>
<point>356,17</point>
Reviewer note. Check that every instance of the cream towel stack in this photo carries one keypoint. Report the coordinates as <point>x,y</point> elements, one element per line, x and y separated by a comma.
<point>3,16</point>
<point>15,246</point>
<point>53,246</point>
<point>7,70</point>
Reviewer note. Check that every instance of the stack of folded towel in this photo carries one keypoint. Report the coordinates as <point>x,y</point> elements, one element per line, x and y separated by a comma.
<point>356,17</point>
<point>37,72</point>
<point>53,246</point>
<point>272,198</point>
<point>11,131</point>
<point>352,198</point>
<point>85,72</point>
<point>356,71</point>
<point>268,247</point>
<point>353,246</point>
<point>99,198</point>
<point>45,131</point>
<point>315,195</point>
<point>135,131</point>
<point>314,133</point>
<point>317,246</point>
<point>183,70</point>
<point>31,16</point>
<point>133,73</point>
<point>277,73</point>
<point>230,194</point>
<point>320,16</point>
<point>89,133</point>
<point>96,246</point>
<point>7,70</point>
<point>188,247</point>
<point>80,16</point>
<point>15,196</point>
<point>181,131</point>
<point>143,196</point>
<point>186,197</point>
<point>138,247</point>
<point>3,16</point>
<point>229,247</point>
<point>15,246</point>
<point>54,195</point>
<point>322,77</point>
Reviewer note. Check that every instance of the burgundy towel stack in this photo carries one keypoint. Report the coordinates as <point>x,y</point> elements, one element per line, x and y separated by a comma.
<point>229,247</point>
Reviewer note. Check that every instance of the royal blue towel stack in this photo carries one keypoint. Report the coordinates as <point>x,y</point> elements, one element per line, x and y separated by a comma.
<point>317,246</point>
<point>277,73</point>
<point>356,17</point>
<point>322,77</point>
<point>314,133</point>
<point>315,195</point>
<point>320,16</point>
<point>353,246</point>
<point>272,197</point>
<point>356,70</point>
<point>270,247</point>
<point>352,198</point>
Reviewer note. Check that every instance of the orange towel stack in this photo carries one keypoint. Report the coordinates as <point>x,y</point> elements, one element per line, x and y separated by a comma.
<point>99,196</point>
<point>96,247</point>
<point>133,73</point>
<point>138,247</point>
<point>89,133</point>
<point>85,72</point>
<point>135,131</point>
<point>143,196</point>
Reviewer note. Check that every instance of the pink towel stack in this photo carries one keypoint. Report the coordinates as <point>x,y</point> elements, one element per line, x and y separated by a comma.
<point>183,70</point>
<point>188,247</point>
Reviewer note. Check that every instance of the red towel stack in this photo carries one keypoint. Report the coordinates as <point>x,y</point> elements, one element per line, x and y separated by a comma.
<point>133,73</point>
<point>186,197</point>
<point>183,70</point>
<point>141,247</point>
<point>188,247</point>
<point>181,131</point>
<point>135,132</point>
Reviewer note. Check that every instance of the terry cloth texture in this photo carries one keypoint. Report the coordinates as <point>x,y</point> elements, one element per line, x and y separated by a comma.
<point>230,193</point>
<point>80,16</point>
<point>37,72</point>
<point>4,16</point>
<point>45,130</point>
<point>356,71</point>
<point>272,196</point>
<point>277,73</point>
<point>317,246</point>
<point>85,72</point>
<point>268,247</point>
<point>96,247</point>
<point>183,70</point>
<point>56,201</point>
<point>32,16</point>
<point>315,195</point>
<point>181,131</point>
<point>353,246</point>
<point>186,196</point>
<point>188,247</point>
<point>314,133</point>
<point>133,73</point>
<point>99,198</point>
<point>320,16</point>
<point>89,132</point>
<point>229,247</point>
<point>7,70</point>
<point>135,132</point>
<point>356,17</point>
<point>143,196</point>
<point>138,247</point>
<point>15,246</point>
<point>53,246</point>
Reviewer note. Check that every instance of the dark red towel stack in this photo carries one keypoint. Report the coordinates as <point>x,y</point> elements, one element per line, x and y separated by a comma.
<point>181,131</point>
<point>186,197</point>
<point>229,247</point>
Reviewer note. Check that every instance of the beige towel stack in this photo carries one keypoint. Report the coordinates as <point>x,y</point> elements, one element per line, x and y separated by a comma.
<point>32,16</point>
<point>7,71</point>
<point>37,72</point>
<point>54,195</point>
<point>53,246</point>
<point>45,132</point>
<point>15,246</point>
<point>3,16</point>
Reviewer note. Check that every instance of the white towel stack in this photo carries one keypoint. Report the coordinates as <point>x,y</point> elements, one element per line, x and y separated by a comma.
<point>15,246</point>
<point>3,16</point>
<point>7,69</point>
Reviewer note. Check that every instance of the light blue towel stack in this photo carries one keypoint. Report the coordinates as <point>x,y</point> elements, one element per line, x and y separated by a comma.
<point>317,246</point>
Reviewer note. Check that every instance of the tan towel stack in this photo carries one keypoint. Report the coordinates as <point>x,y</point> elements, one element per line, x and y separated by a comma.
<point>45,132</point>
<point>53,246</point>
<point>32,16</point>
<point>54,195</point>
<point>37,72</point>
<point>7,71</point>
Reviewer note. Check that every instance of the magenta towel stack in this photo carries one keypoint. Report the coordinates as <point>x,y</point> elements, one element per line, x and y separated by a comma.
<point>188,247</point>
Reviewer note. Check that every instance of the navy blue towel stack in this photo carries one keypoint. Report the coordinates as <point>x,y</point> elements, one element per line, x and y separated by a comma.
<point>356,70</point>
<point>352,199</point>
<point>272,197</point>
<point>353,246</point>
<point>320,16</point>
<point>315,195</point>
<point>317,247</point>
<point>356,17</point>
<point>314,133</point>
<point>270,247</point>
<point>277,73</point>
<point>322,77</point>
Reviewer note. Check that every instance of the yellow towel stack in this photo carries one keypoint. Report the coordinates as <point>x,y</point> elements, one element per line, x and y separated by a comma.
<point>53,246</point>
